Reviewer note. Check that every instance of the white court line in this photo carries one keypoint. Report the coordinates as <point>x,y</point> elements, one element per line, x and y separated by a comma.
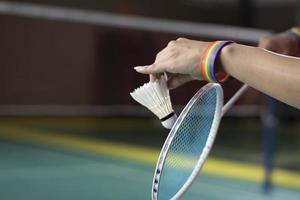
<point>126,21</point>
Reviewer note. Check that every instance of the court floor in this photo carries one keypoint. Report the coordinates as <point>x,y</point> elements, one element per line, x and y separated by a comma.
<point>37,164</point>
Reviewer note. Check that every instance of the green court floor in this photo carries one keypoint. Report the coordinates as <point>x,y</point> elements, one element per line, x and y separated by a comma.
<point>35,166</point>
<point>32,172</point>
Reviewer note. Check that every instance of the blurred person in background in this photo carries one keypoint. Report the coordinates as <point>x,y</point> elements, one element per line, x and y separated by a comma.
<point>274,74</point>
<point>283,43</point>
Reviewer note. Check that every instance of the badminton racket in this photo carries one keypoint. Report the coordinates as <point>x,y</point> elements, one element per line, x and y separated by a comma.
<point>190,141</point>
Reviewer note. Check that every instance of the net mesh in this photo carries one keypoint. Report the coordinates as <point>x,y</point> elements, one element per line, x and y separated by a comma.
<point>187,146</point>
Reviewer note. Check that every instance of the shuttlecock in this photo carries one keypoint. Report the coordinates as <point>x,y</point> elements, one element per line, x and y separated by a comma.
<point>156,97</point>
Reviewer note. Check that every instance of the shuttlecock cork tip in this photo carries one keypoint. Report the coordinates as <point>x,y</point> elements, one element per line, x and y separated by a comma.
<point>169,120</point>
<point>156,97</point>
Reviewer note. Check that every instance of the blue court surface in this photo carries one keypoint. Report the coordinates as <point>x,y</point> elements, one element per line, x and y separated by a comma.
<point>39,163</point>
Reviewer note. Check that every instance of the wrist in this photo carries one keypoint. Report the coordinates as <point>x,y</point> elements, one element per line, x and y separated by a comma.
<point>225,57</point>
<point>210,66</point>
<point>226,53</point>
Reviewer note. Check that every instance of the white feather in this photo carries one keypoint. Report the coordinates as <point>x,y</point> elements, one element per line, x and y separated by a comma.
<point>156,97</point>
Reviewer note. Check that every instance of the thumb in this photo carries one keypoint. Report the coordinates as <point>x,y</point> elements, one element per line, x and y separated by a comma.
<point>150,69</point>
<point>154,77</point>
<point>178,80</point>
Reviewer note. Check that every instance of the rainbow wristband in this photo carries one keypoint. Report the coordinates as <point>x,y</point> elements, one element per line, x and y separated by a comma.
<point>295,33</point>
<point>207,63</point>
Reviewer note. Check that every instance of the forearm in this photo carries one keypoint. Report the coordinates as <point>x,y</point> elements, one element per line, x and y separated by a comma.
<point>273,74</point>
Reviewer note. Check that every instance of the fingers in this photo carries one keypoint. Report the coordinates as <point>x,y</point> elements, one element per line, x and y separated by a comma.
<point>150,69</point>
<point>181,56</point>
<point>164,60</point>
<point>154,77</point>
<point>177,80</point>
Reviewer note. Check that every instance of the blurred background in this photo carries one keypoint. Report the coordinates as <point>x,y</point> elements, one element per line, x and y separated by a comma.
<point>69,129</point>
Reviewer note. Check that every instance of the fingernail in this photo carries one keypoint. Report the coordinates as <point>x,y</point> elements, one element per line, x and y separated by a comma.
<point>139,68</point>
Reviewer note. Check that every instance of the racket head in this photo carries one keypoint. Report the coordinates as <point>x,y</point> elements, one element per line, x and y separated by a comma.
<point>188,144</point>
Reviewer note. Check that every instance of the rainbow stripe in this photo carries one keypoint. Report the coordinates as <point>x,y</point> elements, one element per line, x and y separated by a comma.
<point>295,33</point>
<point>207,63</point>
<point>296,30</point>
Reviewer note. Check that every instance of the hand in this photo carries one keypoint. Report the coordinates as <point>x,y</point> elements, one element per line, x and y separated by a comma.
<point>180,58</point>
<point>281,43</point>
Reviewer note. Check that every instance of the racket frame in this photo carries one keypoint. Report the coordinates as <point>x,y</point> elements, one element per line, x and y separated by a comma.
<point>206,149</point>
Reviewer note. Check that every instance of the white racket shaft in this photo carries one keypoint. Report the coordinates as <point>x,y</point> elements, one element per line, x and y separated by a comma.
<point>234,98</point>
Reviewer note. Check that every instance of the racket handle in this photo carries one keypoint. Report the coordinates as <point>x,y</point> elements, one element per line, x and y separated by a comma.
<point>234,98</point>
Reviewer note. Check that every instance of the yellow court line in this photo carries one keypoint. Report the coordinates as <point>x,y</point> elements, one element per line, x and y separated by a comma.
<point>220,167</point>
<point>119,150</point>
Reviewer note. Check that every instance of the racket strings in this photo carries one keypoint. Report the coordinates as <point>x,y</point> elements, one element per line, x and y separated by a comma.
<point>187,146</point>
